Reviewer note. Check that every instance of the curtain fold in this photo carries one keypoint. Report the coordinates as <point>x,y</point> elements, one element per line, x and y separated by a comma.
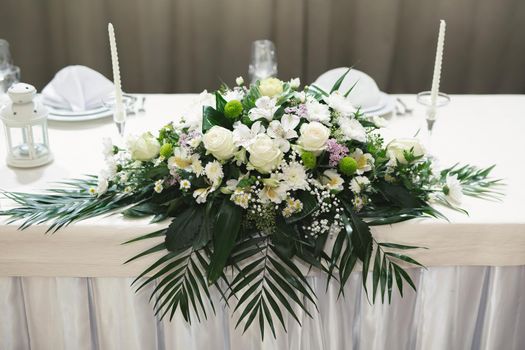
<point>190,45</point>
<point>454,308</point>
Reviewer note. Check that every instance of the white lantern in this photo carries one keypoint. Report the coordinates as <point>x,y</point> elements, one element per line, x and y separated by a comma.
<point>25,124</point>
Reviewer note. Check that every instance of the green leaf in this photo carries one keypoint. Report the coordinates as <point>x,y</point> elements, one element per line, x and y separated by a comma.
<point>360,235</point>
<point>339,81</point>
<point>226,228</point>
<point>405,276</point>
<point>405,258</point>
<point>212,117</point>
<point>220,102</point>
<point>184,228</point>
<point>399,195</point>
<point>399,246</point>
<point>142,209</point>
<point>375,274</point>
<point>382,278</point>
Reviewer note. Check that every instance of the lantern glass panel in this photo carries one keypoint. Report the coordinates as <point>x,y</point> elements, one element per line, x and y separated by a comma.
<point>39,139</point>
<point>18,138</point>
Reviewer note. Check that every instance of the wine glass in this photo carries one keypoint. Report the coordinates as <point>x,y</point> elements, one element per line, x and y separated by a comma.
<point>263,61</point>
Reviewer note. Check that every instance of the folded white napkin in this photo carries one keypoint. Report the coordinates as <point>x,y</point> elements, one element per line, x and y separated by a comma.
<point>365,94</point>
<point>77,88</point>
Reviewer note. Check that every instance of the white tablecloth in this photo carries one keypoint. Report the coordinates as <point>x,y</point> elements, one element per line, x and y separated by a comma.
<point>455,308</point>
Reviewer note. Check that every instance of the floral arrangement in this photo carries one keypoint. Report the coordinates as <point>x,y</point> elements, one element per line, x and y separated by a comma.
<point>263,184</point>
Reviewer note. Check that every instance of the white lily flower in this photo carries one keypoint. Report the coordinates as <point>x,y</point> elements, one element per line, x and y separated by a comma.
<point>265,108</point>
<point>244,136</point>
<point>284,130</point>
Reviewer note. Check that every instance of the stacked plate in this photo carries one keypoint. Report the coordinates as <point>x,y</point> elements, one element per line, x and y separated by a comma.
<point>365,93</point>
<point>105,110</point>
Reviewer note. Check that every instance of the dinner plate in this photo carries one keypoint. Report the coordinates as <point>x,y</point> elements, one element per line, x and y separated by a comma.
<point>78,117</point>
<point>385,108</point>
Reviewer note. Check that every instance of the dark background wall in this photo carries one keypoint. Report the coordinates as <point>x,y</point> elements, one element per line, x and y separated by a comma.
<point>189,45</point>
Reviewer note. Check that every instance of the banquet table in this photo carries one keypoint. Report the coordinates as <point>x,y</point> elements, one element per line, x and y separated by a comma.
<point>71,290</point>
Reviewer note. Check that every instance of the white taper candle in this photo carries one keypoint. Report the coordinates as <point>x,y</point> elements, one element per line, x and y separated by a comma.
<point>120,114</point>
<point>437,69</point>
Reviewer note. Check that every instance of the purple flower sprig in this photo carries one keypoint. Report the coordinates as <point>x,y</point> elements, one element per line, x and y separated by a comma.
<point>336,150</point>
<point>299,110</point>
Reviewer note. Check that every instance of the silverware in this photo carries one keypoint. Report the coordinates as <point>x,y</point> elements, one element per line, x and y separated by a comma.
<point>141,108</point>
<point>406,109</point>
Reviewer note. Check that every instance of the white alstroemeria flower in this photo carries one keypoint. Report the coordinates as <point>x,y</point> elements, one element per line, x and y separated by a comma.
<point>273,191</point>
<point>318,112</point>
<point>340,103</point>
<point>236,94</point>
<point>365,161</point>
<point>295,177</point>
<point>284,130</point>
<point>295,83</point>
<point>201,194</point>
<point>332,180</point>
<point>453,189</point>
<point>359,183</point>
<point>181,159</point>
<point>352,129</point>
<point>265,108</point>
<point>244,136</point>
<point>214,172</point>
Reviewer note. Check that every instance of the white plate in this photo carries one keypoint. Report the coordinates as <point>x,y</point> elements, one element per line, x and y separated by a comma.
<point>389,106</point>
<point>86,115</point>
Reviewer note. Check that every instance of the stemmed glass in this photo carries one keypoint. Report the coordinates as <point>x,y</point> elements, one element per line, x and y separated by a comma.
<point>129,102</point>
<point>424,98</point>
<point>263,62</point>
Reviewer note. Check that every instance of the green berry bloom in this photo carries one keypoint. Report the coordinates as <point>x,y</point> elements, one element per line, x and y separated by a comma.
<point>166,150</point>
<point>347,165</point>
<point>233,109</point>
<point>309,159</point>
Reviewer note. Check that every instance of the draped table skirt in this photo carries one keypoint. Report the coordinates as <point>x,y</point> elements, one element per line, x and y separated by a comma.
<point>454,308</point>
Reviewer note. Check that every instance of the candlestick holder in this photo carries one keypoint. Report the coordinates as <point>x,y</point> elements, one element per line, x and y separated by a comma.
<point>425,98</point>
<point>119,117</point>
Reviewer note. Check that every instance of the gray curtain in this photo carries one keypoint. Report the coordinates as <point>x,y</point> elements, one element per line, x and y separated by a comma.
<point>189,45</point>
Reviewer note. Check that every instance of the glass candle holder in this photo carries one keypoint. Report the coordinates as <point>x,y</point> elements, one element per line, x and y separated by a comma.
<point>119,117</point>
<point>424,98</point>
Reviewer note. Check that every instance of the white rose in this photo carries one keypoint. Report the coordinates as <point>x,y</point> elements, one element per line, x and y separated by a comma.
<point>219,142</point>
<point>239,81</point>
<point>397,147</point>
<point>271,87</point>
<point>313,137</point>
<point>144,147</point>
<point>265,154</point>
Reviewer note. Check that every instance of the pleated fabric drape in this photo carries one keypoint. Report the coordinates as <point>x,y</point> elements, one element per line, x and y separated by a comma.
<point>454,308</point>
<point>189,45</point>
